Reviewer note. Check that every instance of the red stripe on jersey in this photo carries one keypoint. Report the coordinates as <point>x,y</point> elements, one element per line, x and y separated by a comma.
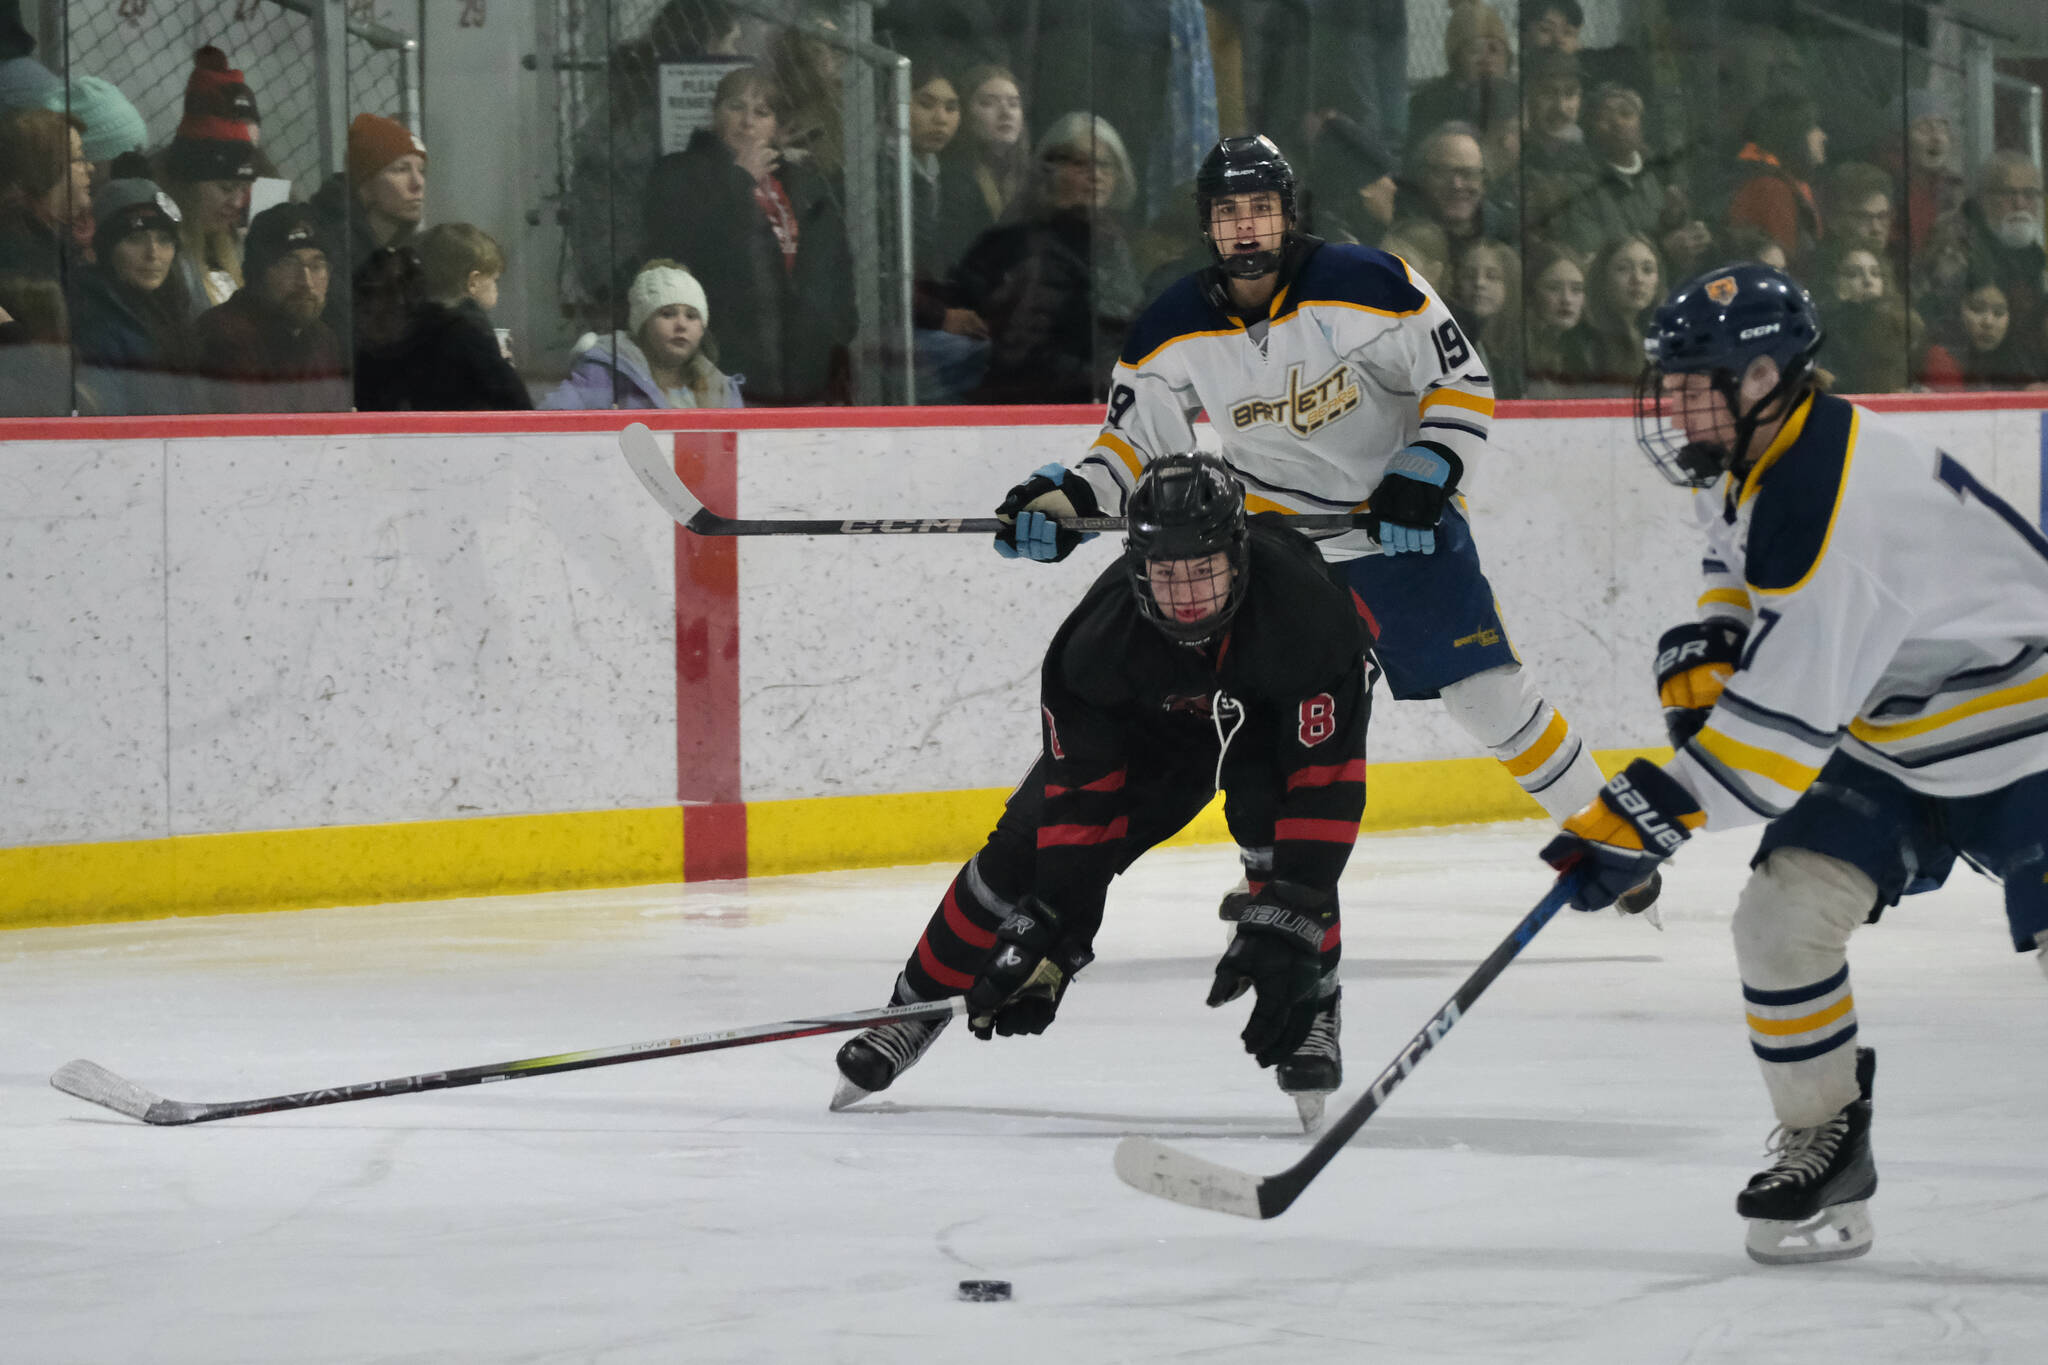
<point>1326,774</point>
<point>1314,831</point>
<point>1365,614</point>
<point>1053,836</point>
<point>971,934</point>
<point>1113,783</point>
<point>1333,937</point>
<point>939,971</point>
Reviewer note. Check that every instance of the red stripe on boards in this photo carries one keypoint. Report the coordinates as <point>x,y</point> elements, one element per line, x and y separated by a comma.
<point>1317,831</point>
<point>969,933</point>
<point>1324,775</point>
<point>708,668</point>
<point>1055,836</point>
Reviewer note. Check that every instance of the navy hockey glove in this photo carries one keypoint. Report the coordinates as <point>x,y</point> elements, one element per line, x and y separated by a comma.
<point>1020,986</point>
<point>1036,506</point>
<point>1410,499</point>
<point>1637,821</point>
<point>1278,953</point>
<point>1694,662</point>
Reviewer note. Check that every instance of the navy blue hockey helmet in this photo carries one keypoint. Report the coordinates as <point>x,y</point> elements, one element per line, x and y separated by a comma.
<point>1719,323</point>
<point>1244,165</point>
<point>1185,509</point>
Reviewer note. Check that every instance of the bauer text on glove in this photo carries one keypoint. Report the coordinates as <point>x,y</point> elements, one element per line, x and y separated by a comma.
<point>1278,954</point>
<point>1616,841</point>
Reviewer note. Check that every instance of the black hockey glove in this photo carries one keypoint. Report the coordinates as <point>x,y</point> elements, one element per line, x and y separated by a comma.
<point>1278,952</point>
<point>1411,497</point>
<point>1694,662</point>
<point>1020,986</point>
<point>1034,509</point>
<point>1617,839</point>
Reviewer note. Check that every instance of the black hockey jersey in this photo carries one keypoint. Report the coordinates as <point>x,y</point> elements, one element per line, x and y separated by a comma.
<point>1278,707</point>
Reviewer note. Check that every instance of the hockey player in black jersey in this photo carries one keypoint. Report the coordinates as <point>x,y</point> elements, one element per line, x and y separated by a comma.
<point>1216,654</point>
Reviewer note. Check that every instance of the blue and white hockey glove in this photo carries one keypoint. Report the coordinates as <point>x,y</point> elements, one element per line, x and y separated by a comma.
<point>1411,497</point>
<point>1637,821</point>
<point>1020,987</point>
<point>1034,509</point>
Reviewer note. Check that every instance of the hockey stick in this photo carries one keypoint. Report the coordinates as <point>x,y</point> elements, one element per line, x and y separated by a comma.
<point>1149,1165</point>
<point>91,1081</point>
<point>657,475</point>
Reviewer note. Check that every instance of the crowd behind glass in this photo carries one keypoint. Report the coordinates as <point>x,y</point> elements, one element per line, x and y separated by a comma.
<point>1551,191</point>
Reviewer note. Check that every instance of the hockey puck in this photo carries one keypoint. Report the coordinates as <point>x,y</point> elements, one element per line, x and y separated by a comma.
<point>985,1291</point>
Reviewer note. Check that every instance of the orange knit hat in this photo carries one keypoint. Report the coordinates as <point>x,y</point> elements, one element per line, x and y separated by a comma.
<point>374,142</point>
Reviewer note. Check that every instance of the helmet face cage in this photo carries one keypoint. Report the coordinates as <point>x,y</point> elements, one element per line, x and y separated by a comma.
<point>1719,324</point>
<point>1187,509</point>
<point>1244,165</point>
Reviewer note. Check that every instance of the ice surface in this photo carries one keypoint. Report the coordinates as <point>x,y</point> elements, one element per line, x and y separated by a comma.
<point>1555,1184</point>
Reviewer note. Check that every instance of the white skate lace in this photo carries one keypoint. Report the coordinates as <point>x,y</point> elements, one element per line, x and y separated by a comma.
<point>903,1043</point>
<point>1322,1036</point>
<point>1803,1153</point>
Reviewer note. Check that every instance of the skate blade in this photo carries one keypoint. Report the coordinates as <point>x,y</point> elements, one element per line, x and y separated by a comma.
<point>1837,1233</point>
<point>847,1094</point>
<point>1309,1105</point>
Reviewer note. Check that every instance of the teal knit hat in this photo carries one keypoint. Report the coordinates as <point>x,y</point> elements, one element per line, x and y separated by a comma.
<point>112,126</point>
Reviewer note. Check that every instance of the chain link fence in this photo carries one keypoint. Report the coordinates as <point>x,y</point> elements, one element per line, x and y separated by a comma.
<point>145,49</point>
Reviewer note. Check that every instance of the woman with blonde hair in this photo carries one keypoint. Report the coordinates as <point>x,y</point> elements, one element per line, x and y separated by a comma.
<point>1486,296</point>
<point>1624,283</point>
<point>1556,340</point>
<point>659,361</point>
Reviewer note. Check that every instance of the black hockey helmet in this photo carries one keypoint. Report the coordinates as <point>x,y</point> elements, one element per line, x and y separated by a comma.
<point>1719,323</point>
<point>1244,165</point>
<point>1187,507</point>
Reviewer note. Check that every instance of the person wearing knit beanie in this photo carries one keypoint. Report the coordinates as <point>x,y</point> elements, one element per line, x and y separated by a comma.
<point>216,139</point>
<point>663,284</point>
<point>387,171</point>
<point>25,83</point>
<point>218,91</point>
<point>660,360</point>
<point>112,124</point>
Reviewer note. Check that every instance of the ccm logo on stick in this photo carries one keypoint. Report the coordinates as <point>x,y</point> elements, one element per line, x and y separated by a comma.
<point>889,527</point>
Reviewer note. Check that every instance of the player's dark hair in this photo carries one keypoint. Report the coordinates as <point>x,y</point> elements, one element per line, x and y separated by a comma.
<point>1187,507</point>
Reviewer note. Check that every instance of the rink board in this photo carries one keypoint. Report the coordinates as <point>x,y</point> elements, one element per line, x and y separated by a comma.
<point>291,661</point>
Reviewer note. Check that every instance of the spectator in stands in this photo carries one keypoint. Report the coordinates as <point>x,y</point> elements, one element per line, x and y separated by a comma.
<point>1424,247</point>
<point>766,239</point>
<point>1559,344</point>
<point>112,126</point>
<point>25,83</point>
<point>1858,208</point>
<point>1925,185</point>
<point>1552,142</point>
<point>1754,244</point>
<point>136,348</point>
<point>1624,282</point>
<point>951,342</point>
<point>1999,231</point>
<point>44,182</point>
<point>1351,190</point>
<point>1625,194</point>
<point>209,168</point>
<point>988,162</point>
<point>1785,146</point>
<point>35,349</point>
<point>1979,348</point>
<point>660,361</point>
<point>1871,335</point>
<point>808,73</point>
<point>1486,297</point>
<point>462,265</point>
<point>1476,90</point>
<point>1058,285</point>
<point>1450,190</point>
<point>377,202</point>
<point>415,353</point>
<point>267,349</point>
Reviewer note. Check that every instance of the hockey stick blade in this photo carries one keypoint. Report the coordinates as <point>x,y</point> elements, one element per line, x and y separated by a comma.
<point>1151,1166</point>
<point>657,475</point>
<point>94,1083</point>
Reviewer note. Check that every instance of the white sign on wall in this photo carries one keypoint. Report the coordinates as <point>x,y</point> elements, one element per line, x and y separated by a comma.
<point>686,91</point>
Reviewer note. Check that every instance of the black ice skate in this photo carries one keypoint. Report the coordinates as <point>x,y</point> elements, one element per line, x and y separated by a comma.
<point>872,1060</point>
<point>1317,1067</point>
<point>1811,1203</point>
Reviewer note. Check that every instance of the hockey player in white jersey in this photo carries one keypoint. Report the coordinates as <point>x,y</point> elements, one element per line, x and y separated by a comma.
<point>1869,673</point>
<point>1336,381</point>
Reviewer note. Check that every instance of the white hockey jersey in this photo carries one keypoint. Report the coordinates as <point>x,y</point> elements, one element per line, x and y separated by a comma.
<point>1897,610</point>
<point>1355,358</point>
